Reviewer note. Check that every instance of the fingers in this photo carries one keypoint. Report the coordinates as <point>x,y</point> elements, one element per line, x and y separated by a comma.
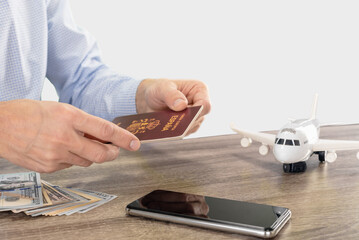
<point>178,94</point>
<point>52,165</point>
<point>201,97</point>
<point>105,131</point>
<point>73,159</point>
<point>196,126</point>
<point>193,92</point>
<point>206,106</point>
<point>93,151</point>
<point>173,98</point>
<point>158,94</point>
<point>193,130</point>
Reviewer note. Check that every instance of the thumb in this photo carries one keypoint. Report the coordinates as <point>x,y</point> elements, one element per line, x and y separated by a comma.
<point>174,98</point>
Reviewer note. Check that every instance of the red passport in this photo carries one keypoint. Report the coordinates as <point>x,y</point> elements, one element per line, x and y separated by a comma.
<point>159,125</point>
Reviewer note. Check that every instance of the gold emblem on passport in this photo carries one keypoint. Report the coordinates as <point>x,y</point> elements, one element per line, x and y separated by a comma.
<point>140,126</point>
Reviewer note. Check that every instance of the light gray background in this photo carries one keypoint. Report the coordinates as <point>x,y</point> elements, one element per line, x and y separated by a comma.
<point>263,61</point>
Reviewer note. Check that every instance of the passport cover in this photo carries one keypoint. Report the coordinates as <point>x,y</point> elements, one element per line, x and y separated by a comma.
<point>159,125</point>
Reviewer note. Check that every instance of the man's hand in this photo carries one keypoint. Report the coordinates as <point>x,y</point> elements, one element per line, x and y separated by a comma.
<point>49,136</point>
<point>160,94</point>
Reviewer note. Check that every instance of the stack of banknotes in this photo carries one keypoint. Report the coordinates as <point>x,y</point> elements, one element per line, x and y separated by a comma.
<point>26,192</point>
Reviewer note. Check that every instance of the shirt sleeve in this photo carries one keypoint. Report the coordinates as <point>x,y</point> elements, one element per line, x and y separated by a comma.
<point>75,68</point>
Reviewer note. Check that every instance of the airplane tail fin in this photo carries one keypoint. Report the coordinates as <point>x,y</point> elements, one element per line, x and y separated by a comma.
<point>314,109</point>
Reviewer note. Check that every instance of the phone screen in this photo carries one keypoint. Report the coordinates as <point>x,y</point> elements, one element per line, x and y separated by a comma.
<point>209,208</point>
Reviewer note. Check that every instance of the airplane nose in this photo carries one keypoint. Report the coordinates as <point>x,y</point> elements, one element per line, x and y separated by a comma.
<point>288,154</point>
<point>279,154</point>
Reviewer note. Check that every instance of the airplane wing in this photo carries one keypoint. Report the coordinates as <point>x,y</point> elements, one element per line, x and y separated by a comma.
<point>264,138</point>
<point>335,145</point>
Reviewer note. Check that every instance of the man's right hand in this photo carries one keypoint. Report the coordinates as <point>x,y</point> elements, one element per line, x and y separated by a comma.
<point>49,136</point>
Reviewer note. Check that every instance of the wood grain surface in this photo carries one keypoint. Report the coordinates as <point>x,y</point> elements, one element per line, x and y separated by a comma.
<point>323,200</point>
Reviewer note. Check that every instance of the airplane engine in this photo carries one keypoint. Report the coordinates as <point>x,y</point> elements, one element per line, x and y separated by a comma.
<point>263,150</point>
<point>246,142</point>
<point>331,157</point>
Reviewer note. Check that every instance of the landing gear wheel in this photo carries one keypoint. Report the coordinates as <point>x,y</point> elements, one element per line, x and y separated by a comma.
<point>321,156</point>
<point>295,167</point>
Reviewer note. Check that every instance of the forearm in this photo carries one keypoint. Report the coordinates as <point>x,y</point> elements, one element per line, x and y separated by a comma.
<point>106,94</point>
<point>76,69</point>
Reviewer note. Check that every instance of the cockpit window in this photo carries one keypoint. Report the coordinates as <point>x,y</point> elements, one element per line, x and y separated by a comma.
<point>289,142</point>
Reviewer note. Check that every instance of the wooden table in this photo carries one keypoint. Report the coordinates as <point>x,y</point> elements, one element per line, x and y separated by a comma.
<point>324,200</point>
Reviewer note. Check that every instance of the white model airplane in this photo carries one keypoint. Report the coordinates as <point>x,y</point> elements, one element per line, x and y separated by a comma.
<point>296,142</point>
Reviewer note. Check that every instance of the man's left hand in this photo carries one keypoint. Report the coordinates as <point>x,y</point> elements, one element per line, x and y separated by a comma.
<point>159,94</point>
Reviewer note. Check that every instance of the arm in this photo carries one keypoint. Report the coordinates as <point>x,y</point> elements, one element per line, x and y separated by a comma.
<point>77,71</point>
<point>49,136</point>
<point>81,79</point>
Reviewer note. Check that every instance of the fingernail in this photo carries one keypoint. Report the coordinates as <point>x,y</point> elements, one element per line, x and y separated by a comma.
<point>135,144</point>
<point>178,102</point>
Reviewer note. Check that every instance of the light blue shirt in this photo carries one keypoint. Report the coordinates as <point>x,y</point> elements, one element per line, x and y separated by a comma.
<point>38,39</point>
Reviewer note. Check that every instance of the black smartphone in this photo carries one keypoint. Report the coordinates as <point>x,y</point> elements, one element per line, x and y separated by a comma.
<point>209,212</point>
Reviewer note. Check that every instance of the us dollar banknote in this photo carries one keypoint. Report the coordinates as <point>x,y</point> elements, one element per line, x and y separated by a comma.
<point>27,193</point>
<point>20,190</point>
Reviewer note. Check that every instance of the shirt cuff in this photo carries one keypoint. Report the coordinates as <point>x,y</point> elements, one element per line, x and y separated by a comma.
<point>120,98</point>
